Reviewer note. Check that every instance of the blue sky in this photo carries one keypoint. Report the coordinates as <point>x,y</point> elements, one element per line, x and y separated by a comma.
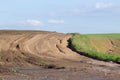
<point>83,16</point>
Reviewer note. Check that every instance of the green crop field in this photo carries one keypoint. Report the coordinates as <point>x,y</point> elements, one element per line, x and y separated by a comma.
<point>98,46</point>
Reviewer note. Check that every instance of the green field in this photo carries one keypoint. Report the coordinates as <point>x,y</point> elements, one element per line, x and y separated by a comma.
<point>98,46</point>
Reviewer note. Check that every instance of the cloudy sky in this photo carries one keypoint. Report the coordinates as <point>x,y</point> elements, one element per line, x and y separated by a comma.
<point>83,16</point>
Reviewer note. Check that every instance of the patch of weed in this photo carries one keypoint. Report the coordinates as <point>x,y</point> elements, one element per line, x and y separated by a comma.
<point>42,62</point>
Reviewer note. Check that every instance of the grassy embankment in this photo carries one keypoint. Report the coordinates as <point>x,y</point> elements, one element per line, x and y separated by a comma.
<point>96,46</point>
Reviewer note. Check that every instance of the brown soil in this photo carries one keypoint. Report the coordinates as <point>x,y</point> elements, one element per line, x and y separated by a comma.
<point>40,55</point>
<point>106,45</point>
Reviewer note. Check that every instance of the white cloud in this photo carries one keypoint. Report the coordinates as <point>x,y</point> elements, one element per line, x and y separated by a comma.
<point>55,21</point>
<point>103,5</point>
<point>32,22</point>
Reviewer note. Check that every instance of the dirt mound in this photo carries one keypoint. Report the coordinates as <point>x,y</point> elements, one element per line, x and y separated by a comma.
<point>34,48</point>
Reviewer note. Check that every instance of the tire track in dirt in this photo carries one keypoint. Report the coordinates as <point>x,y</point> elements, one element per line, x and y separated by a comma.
<point>13,56</point>
<point>16,43</point>
<point>30,47</point>
<point>115,48</point>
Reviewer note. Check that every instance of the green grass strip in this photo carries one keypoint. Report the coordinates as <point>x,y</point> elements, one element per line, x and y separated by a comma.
<point>81,44</point>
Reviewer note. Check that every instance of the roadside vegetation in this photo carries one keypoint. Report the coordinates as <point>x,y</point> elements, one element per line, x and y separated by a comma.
<point>82,44</point>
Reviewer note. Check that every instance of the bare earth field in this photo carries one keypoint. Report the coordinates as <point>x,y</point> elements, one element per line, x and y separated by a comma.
<point>42,55</point>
